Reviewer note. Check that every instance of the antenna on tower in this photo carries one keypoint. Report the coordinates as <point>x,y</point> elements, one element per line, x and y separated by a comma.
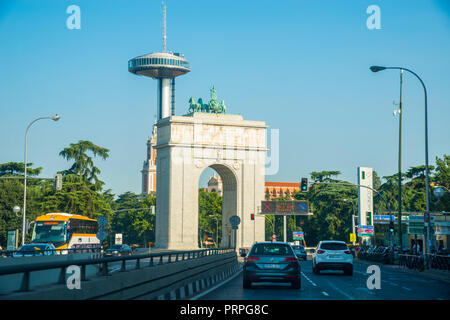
<point>164,26</point>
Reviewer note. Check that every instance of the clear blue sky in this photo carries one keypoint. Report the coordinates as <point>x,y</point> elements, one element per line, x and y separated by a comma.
<point>301,66</point>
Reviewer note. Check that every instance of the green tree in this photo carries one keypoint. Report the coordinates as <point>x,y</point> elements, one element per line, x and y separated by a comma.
<point>441,178</point>
<point>84,164</point>
<point>324,176</point>
<point>133,218</point>
<point>332,208</point>
<point>209,204</point>
<point>76,197</point>
<point>18,169</point>
<point>11,194</point>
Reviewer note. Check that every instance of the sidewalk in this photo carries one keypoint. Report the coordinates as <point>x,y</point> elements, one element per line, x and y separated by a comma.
<point>430,274</point>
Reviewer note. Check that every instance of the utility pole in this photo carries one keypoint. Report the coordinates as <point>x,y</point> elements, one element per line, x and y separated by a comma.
<point>399,216</point>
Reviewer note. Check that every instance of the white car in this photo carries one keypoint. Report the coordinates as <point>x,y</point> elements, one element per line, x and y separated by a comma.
<point>332,255</point>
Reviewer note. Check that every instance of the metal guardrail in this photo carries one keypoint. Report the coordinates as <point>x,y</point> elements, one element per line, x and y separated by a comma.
<point>385,255</point>
<point>48,252</point>
<point>420,262</point>
<point>26,269</point>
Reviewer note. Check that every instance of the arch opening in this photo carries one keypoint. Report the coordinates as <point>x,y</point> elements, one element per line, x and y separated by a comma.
<point>217,202</point>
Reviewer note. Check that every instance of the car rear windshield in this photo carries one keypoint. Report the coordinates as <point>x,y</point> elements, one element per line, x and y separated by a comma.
<point>271,250</point>
<point>333,246</point>
<point>33,247</point>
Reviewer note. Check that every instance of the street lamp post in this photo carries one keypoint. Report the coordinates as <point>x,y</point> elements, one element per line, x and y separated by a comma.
<point>16,210</point>
<point>427,179</point>
<point>54,118</point>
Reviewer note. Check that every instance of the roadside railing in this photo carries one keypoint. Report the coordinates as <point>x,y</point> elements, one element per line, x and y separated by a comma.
<point>383,255</point>
<point>411,261</point>
<point>154,259</point>
<point>47,252</point>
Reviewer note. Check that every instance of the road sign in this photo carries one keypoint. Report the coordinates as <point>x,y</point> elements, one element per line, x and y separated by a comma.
<point>274,237</point>
<point>297,235</point>
<point>118,238</point>
<point>415,224</point>
<point>102,221</point>
<point>352,237</point>
<point>101,235</point>
<point>365,231</point>
<point>235,221</point>
<point>292,207</point>
<point>438,192</point>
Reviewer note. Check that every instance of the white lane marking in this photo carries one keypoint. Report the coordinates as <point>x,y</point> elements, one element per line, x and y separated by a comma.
<point>407,288</point>
<point>340,291</point>
<point>215,287</point>
<point>325,293</point>
<point>390,283</point>
<point>114,269</point>
<point>309,280</point>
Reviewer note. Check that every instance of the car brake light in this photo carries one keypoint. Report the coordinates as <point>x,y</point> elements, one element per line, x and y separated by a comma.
<point>252,258</point>
<point>290,259</point>
<point>320,251</point>
<point>347,251</point>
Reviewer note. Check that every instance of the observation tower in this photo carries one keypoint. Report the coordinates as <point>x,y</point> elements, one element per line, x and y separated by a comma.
<point>165,67</point>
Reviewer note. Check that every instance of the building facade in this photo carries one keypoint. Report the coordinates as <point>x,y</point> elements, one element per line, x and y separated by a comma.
<point>149,167</point>
<point>274,189</point>
<point>215,184</point>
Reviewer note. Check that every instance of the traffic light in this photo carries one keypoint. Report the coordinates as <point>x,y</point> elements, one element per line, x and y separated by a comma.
<point>304,185</point>
<point>57,184</point>
<point>252,216</point>
<point>369,218</point>
<point>391,226</point>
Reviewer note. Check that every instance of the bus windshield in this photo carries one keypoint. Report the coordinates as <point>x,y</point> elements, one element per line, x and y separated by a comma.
<point>49,231</point>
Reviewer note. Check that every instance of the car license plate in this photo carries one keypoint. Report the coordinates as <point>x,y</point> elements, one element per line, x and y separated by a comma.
<point>334,256</point>
<point>272,266</point>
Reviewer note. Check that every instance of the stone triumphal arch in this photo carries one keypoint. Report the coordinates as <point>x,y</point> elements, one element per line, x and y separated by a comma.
<point>236,149</point>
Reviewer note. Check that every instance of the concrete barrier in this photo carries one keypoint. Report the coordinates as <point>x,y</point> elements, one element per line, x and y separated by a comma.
<point>12,282</point>
<point>176,280</point>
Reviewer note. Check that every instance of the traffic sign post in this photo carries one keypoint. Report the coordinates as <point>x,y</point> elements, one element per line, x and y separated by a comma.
<point>101,234</point>
<point>365,231</point>
<point>274,237</point>
<point>234,221</point>
<point>297,235</point>
<point>416,225</point>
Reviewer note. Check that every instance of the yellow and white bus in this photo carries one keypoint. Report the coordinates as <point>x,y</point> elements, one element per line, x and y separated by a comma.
<point>66,231</point>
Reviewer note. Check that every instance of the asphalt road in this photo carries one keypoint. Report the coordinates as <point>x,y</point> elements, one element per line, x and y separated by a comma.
<point>334,285</point>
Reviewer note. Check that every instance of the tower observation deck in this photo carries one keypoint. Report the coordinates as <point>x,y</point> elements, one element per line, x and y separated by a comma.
<point>165,67</point>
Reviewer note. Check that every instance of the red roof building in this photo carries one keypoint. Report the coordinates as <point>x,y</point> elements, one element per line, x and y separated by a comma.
<point>274,189</point>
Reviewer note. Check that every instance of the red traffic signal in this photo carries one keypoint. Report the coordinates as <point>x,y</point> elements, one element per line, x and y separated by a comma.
<point>252,216</point>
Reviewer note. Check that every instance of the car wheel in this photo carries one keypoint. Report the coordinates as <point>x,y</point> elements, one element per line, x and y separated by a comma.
<point>297,284</point>
<point>246,284</point>
<point>316,270</point>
